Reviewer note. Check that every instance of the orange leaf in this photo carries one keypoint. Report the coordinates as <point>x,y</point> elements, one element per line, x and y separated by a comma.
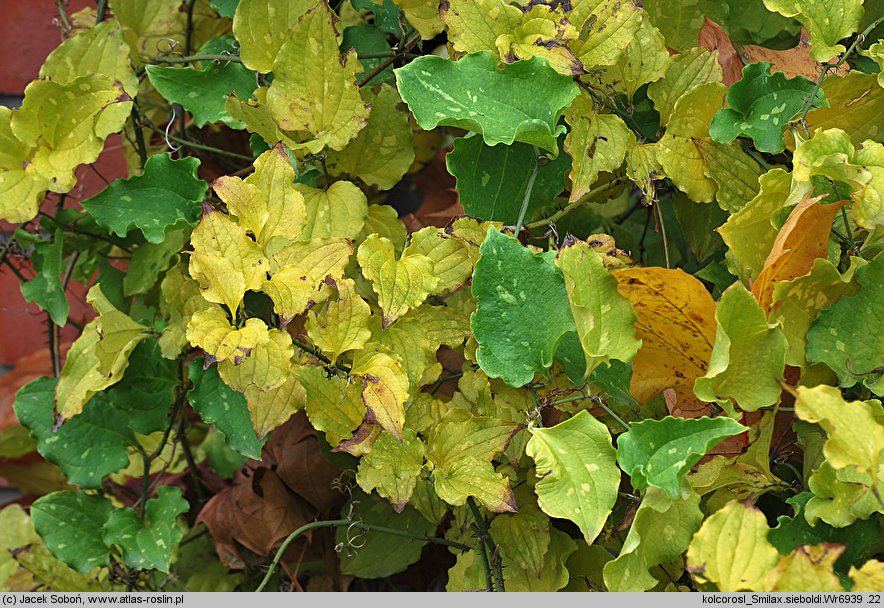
<point>712,37</point>
<point>676,324</point>
<point>802,239</point>
<point>792,62</point>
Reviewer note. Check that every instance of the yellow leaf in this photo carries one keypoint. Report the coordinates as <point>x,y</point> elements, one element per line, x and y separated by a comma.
<point>303,268</point>
<point>597,142</point>
<point>749,233</point>
<point>543,32</point>
<point>855,103</point>
<point>384,390</point>
<point>868,578</point>
<point>271,409</point>
<point>384,150</point>
<point>423,15</point>
<point>828,22</point>
<point>225,261</point>
<point>644,60</point>
<point>802,239</point>
<point>256,115</point>
<point>334,405</point>
<point>340,325</point>
<point>21,190</point>
<point>731,549</point>
<point>643,168</point>
<point>210,330</point>
<point>469,476</point>
<point>313,90</point>
<point>261,28</point>
<point>181,298</point>
<point>734,172</point>
<point>266,202</point>
<point>339,211</point>
<point>265,367</point>
<point>149,26</point>
<point>400,284</point>
<point>806,568</point>
<point>605,30</point>
<point>676,324</point>
<point>98,50</point>
<point>686,71</point>
<point>383,220</point>
<point>99,357</point>
<point>474,25</point>
<point>450,256</point>
<point>392,467</point>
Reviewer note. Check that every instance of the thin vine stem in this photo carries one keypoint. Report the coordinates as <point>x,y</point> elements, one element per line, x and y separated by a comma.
<point>63,15</point>
<point>575,205</point>
<point>492,567</point>
<point>340,523</point>
<point>198,57</point>
<point>528,189</point>
<point>100,11</point>
<point>192,144</point>
<point>848,232</point>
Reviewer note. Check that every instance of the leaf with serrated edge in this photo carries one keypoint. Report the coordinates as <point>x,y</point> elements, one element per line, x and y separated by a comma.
<point>340,325</point>
<point>451,259</point>
<point>384,390</point>
<point>334,406</point>
<point>392,468</point>
<point>339,211</point>
<point>474,25</point>
<point>577,474</point>
<point>262,26</point>
<point>272,408</point>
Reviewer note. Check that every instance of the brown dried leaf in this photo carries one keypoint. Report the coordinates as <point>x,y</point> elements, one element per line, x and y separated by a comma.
<point>792,62</point>
<point>712,37</point>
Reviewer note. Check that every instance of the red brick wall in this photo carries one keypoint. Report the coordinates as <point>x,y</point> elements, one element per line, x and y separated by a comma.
<point>28,33</point>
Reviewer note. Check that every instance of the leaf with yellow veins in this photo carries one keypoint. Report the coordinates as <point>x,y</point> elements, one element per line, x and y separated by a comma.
<point>400,284</point>
<point>458,480</point>
<point>605,30</point>
<point>686,71</point>
<point>225,261</point>
<point>340,325</point>
<point>261,28</point>
<point>304,266</point>
<point>423,15</point>
<point>748,358</point>
<point>392,468</point>
<point>266,203</point>
<point>868,578</point>
<point>416,337</point>
<point>675,324</point>
<point>450,256</point>
<point>827,22</point>
<point>334,405</point>
<point>98,50</point>
<point>605,319</point>
<point>271,409</point>
<point>210,330</point>
<point>802,240</point>
<point>66,125</point>
<point>749,233</point>
<point>644,60</point>
<point>474,25</point>
<point>731,549</point>
<point>543,32</point>
<point>310,62</point>
<point>146,24</point>
<point>854,430</point>
<point>384,150</point>
<point>99,357</point>
<point>339,211</point>
<point>597,142</point>
<point>384,390</point>
<point>266,366</point>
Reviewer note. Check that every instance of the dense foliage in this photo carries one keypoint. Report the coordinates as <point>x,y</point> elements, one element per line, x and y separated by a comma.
<point>645,355</point>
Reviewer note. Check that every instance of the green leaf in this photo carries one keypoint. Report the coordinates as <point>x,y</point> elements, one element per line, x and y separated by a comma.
<point>225,8</point>
<point>368,39</point>
<point>70,523</point>
<point>46,289</point>
<point>577,474</point>
<point>491,180</point>
<point>204,92</point>
<point>523,537</point>
<point>731,549</point>
<point>148,542</point>
<point>392,467</point>
<point>262,28</point>
<point>145,394</point>
<point>660,533</point>
<point>761,106</point>
<point>748,357</point>
<point>522,312</point>
<point>381,555</point>
<point>218,404</point>
<point>660,453</point>
<point>605,319</point>
<point>841,336</point>
<point>168,192</point>
<point>520,102</point>
<point>151,260</point>
<point>87,447</point>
